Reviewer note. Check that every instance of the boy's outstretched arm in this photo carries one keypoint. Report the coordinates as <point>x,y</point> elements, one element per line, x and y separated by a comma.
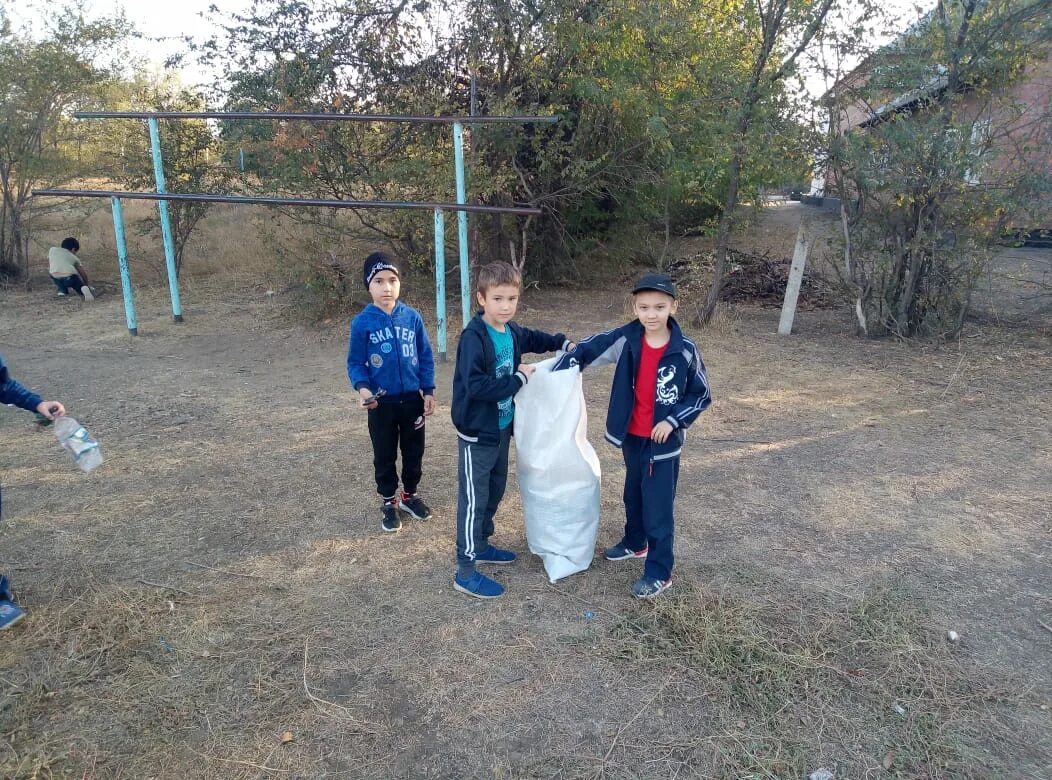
<point>539,342</point>
<point>14,392</point>
<point>597,350</point>
<point>697,397</point>
<point>482,385</point>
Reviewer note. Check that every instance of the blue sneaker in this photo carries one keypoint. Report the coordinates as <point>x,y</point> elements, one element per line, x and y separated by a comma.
<point>648,587</point>
<point>495,555</point>
<point>479,585</point>
<point>622,552</point>
<point>5,588</point>
<point>10,614</point>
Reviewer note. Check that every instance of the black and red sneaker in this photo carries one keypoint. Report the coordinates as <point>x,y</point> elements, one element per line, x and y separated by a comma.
<point>411,504</point>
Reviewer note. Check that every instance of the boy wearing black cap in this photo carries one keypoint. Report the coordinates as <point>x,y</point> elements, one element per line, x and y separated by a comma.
<point>659,389</point>
<point>390,364</point>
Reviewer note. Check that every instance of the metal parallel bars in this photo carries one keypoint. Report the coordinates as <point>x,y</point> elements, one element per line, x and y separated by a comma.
<point>317,117</point>
<point>162,197</point>
<point>267,200</point>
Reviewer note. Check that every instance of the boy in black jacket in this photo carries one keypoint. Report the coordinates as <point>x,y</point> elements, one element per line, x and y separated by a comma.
<point>660,387</point>
<point>488,373</point>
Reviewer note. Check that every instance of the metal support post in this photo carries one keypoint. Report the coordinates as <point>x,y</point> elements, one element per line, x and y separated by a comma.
<point>462,223</point>
<point>440,281</point>
<point>166,225</point>
<point>122,260</point>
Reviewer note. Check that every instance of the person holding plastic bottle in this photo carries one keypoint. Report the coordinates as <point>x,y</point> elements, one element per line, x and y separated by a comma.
<point>16,394</point>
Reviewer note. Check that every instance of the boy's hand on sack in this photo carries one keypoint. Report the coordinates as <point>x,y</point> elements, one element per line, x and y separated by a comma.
<point>661,432</point>
<point>429,405</point>
<point>527,370</point>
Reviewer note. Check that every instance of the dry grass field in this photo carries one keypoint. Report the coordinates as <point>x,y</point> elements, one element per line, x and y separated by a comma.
<point>216,600</point>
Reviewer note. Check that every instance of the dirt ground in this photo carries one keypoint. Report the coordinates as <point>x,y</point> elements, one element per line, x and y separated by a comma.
<point>217,601</point>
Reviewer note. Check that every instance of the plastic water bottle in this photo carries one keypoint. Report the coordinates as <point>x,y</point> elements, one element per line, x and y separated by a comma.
<point>75,438</point>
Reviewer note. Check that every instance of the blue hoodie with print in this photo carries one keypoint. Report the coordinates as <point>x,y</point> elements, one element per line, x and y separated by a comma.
<point>390,352</point>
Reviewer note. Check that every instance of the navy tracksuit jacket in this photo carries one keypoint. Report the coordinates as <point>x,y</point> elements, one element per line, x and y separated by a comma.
<point>482,471</point>
<point>652,469</point>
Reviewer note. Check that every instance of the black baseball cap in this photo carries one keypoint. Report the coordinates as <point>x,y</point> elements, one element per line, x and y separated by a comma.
<point>660,282</point>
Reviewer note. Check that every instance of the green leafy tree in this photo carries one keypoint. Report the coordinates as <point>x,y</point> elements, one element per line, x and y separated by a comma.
<point>939,156</point>
<point>642,90</point>
<point>353,57</point>
<point>778,32</point>
<point>42,80</point>
<point>631,85</point>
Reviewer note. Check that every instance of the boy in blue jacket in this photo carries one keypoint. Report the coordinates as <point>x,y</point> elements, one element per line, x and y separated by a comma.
<point>488,374</point>
<point>390,364</point>
<point>11,392</point>
<point>659,389</point>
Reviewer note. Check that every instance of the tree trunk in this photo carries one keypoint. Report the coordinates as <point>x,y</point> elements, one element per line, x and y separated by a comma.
<point>849,268</point>
<point>723,235</point>
<point>17,253</point>
<point>772,18</point>
<point>662,261</point>
<point>3,231</point>
<point>6,253</point>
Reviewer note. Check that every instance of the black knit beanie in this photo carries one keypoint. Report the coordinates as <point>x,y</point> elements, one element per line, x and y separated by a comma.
<point>376,262</point>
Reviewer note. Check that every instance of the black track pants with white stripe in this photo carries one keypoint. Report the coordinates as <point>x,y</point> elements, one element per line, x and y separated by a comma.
<point>481,478</point>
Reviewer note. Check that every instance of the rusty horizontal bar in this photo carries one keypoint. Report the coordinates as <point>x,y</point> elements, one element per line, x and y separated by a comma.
<point>319,117</point>
<point>275,201</point>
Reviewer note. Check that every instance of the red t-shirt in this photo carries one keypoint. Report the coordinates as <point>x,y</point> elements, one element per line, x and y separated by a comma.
<point>642,422</point>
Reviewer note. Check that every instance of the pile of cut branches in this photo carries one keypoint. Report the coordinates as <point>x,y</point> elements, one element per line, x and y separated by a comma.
<point>758,278</point>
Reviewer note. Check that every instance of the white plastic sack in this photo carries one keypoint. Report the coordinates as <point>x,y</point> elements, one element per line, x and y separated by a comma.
<point>558,470</point>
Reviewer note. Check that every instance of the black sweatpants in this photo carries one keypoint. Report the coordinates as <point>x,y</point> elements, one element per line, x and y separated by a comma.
<point>397,422</point>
